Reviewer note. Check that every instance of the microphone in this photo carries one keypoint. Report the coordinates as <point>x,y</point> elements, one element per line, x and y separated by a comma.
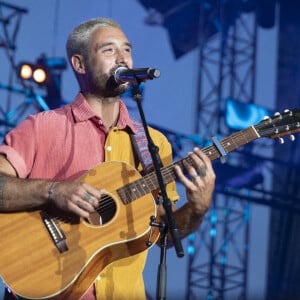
<point>123,74</point>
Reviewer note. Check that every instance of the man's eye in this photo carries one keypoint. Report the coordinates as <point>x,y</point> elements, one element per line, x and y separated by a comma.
<point>108,50</point>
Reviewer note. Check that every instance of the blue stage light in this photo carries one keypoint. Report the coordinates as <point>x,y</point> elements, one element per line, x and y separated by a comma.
<point>240,115</point>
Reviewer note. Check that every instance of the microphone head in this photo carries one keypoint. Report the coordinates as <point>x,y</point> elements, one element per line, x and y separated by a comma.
<point>123,74</point>
<point>118,71</point>
<point>153,73</point>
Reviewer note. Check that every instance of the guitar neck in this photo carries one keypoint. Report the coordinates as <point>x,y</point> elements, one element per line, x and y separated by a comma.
<point>149,182</point>
<point>229,144</point>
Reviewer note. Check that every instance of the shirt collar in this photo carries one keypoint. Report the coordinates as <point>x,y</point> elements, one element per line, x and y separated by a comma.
<point>83,112</point>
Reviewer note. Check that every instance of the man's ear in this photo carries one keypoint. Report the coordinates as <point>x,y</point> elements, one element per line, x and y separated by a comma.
<point>78,64</point>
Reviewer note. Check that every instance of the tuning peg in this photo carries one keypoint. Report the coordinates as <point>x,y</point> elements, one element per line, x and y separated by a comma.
<point>289,112</point>
<point>267,119</point>
<point>281,140</point>
<point>278,114</point>
<point>292,137</point>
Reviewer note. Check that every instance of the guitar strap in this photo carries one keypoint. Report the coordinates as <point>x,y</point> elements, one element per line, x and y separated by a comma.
<point>140,145</point>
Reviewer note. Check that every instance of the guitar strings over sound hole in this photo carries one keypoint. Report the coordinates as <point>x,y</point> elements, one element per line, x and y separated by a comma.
<point>105,211</point>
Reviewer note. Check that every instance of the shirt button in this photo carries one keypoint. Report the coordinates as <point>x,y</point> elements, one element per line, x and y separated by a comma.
<point>108,148</point>
<point>100,122</point>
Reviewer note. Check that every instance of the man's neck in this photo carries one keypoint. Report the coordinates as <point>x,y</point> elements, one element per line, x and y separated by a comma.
<point>107,109</point>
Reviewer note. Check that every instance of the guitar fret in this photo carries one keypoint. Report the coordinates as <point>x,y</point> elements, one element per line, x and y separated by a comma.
<point>138,189</point>
<point>127,194</point>
<point>133,190</point>
<point>143,187</point>
<point>239,139</point>
<point>151,182</point>
<point>212,152</point>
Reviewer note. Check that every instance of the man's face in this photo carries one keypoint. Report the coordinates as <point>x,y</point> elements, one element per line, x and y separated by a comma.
<point>108,50</point>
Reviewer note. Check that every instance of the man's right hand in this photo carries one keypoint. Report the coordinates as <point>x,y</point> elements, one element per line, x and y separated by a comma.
<point>76,197</point>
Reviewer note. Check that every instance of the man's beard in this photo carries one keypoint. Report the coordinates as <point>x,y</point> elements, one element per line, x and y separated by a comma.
<point>105,86</point>
<point>114,89</point>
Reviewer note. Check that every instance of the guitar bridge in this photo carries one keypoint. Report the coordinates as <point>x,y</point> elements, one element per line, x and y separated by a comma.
<point>56,233</point>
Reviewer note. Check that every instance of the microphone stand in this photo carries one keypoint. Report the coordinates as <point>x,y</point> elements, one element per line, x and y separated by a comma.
<point>164,228</point>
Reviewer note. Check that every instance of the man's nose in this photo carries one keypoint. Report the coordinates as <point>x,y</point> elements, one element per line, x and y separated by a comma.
<point>122,57</point>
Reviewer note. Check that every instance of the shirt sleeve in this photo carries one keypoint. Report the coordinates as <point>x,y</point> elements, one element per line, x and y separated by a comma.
<point>19,147</point>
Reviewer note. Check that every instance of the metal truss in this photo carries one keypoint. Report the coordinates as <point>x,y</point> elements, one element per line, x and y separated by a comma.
<point>218,251</point>
<point>19,101</point>
<point>10,21</point>
<point>226,69</point>
<point>217,260</point>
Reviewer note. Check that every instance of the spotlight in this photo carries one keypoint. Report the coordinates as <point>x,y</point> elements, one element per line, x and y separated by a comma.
<point>25,71</point>
<point>39,75</point>
<point>33,72</point>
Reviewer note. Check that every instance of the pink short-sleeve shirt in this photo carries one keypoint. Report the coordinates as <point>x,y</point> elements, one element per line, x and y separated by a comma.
<point>60,144</point>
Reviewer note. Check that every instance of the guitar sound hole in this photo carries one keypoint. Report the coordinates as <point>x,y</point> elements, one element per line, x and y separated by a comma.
<point>105,211</point>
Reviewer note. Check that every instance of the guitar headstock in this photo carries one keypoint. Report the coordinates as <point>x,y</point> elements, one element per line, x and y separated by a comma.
<point>281,124</point>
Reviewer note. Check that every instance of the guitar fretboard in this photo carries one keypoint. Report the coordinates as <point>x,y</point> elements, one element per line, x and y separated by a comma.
<point>149,182</point>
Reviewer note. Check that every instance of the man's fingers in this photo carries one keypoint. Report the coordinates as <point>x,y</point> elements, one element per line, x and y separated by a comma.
<point>90,199</point>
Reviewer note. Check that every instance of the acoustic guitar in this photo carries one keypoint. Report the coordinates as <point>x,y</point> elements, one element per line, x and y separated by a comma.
<point>47,254</point>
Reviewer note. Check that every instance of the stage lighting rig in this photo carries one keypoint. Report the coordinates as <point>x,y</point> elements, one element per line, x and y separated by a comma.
<point>42,71</point>
<point>46,74</point>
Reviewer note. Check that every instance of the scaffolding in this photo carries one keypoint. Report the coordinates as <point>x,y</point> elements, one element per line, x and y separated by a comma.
<point>17,101</point>
<point>218,252</point>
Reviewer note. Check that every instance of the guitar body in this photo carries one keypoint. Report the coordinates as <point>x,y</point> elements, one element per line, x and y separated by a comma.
<point>33,267</point>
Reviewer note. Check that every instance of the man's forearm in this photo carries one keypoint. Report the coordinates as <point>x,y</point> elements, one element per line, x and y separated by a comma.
<point>21,194</point>
<point>187,220</point>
